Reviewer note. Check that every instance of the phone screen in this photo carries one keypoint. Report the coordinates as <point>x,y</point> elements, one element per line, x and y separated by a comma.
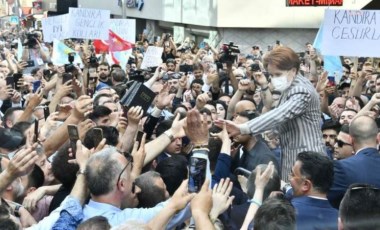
<point>197,173</point>
<point>139,137</point>
<point>46,112</point>
<point>36,85</point>
<point>73,136</point>
<point>36,124</point>
<point>10,81</point>
<point>16,78</point>
<point>331,81</point>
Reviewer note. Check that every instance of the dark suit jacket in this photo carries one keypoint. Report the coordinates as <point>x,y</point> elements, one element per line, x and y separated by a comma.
<point>313,213</point>
<point>361,168</point>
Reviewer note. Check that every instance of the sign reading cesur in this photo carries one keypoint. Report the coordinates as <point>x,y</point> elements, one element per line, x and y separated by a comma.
<point>125,28</point>
<point>152,57</point>
<point>53,28</point>
<point>351,33</point>
<point>314,2</point>
<point>88,23</point>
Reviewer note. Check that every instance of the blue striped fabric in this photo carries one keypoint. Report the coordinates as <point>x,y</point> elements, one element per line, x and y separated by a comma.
<point>297,118</point>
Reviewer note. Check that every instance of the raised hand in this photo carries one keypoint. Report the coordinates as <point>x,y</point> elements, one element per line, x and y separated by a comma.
<point>221,198</point>
<point>164,98</point>
<point>83,106</point>
<point>23,162</point>
<point>196,127</point>
<point>134,115</point>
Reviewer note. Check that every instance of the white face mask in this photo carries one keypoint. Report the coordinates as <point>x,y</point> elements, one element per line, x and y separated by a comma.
<point>280,83</point>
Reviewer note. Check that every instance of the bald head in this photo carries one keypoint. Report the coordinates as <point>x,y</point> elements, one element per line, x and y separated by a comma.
<point>363,130</point>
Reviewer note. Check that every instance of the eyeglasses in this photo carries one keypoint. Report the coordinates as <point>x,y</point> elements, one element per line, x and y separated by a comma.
<point>129,158</point>
<point>341,143</point>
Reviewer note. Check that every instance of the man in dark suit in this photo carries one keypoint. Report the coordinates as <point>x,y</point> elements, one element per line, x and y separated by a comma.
<point>311,178</point>
<point>363,167</point>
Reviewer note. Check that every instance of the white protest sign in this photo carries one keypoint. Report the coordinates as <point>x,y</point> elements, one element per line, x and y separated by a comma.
<point>125,28</point>
<point>55,27</point>
<point>88,23</point>
<point>152,57</point>
<point>351,33</point>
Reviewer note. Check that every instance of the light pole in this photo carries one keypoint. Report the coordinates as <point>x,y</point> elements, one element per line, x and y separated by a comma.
<point>123,9</point>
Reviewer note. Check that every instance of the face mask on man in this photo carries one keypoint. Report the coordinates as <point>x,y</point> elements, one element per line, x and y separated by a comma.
<point>280,83</point>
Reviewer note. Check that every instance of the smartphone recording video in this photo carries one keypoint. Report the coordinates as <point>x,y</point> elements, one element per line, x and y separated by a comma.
<point>197,174</point>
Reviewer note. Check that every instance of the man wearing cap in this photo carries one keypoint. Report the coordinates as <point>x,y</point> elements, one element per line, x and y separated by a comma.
<point>255,53</point>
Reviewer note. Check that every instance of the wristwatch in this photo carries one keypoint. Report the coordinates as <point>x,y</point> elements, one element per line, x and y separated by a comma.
<point>169,134</point>
<point>16,212</point>
<point>81,171</point>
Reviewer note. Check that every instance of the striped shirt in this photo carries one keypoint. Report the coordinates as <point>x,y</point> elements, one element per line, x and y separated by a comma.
<point>297,118</point>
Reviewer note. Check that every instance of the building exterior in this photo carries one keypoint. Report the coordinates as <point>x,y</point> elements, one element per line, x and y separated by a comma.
<point>246,23</point>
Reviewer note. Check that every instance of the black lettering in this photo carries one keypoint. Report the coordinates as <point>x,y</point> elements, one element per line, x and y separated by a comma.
<point>335,34</point>
<point>344,33</point>
<point>336,17</point>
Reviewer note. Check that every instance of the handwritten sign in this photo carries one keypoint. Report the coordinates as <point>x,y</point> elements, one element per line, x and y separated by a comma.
<point>54,27</point>
<point>152,57</point>
<point>351,33</point>
<point>88,23</point>
<point>125,28</point>
<point>314,2</point>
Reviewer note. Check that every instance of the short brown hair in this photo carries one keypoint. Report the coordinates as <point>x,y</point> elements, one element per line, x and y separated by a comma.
<point>283,58</point>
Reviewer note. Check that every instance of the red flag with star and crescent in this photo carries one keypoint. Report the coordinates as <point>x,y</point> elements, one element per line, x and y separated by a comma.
<point>114,44</point>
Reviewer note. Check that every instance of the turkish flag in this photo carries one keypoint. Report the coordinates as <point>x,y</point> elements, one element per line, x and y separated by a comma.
<point>116,43</point>
<point>101,46</point>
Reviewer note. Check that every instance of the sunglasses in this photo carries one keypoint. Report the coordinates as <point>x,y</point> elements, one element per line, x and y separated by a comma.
<point>341,143</point>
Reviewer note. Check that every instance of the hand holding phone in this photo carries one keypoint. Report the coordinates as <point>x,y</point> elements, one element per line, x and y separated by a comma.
<point>197,174</point>
<point>73,136</point>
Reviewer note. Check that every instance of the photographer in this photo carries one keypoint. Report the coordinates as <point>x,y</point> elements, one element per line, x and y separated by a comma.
<point>35,53</point>
<point>170,49</point>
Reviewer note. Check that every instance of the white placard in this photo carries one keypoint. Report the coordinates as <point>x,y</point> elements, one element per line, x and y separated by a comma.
<point>152,57</point>
<point>125,28</point>
<point>88,23</point>
<point>54,27</point>
<point>351,33</point>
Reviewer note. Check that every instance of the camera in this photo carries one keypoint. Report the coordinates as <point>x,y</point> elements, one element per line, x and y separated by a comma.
<point>167,37</point>
<point>31,40</point>
<point>229,53</point>
<point>69,68</point>
<point>93,61</point>
<point>255,67</point>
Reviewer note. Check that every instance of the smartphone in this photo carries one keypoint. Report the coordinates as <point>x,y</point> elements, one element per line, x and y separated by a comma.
<point>331,81</point>
<point>139,137</point>
<point>66,77</point>
<point>197,173</point>
<point>10,81</point>
<point>98,136</point>
<point>30,63</point>
<point>202,45</point>
<point>73,136</point>
<point>46,112</point>
<point>36,86</point>
<point>242,171</point>
<point>16,78</point>
<point>35,139</point>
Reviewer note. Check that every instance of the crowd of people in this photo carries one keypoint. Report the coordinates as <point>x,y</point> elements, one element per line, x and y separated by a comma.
<point>286,144</point>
